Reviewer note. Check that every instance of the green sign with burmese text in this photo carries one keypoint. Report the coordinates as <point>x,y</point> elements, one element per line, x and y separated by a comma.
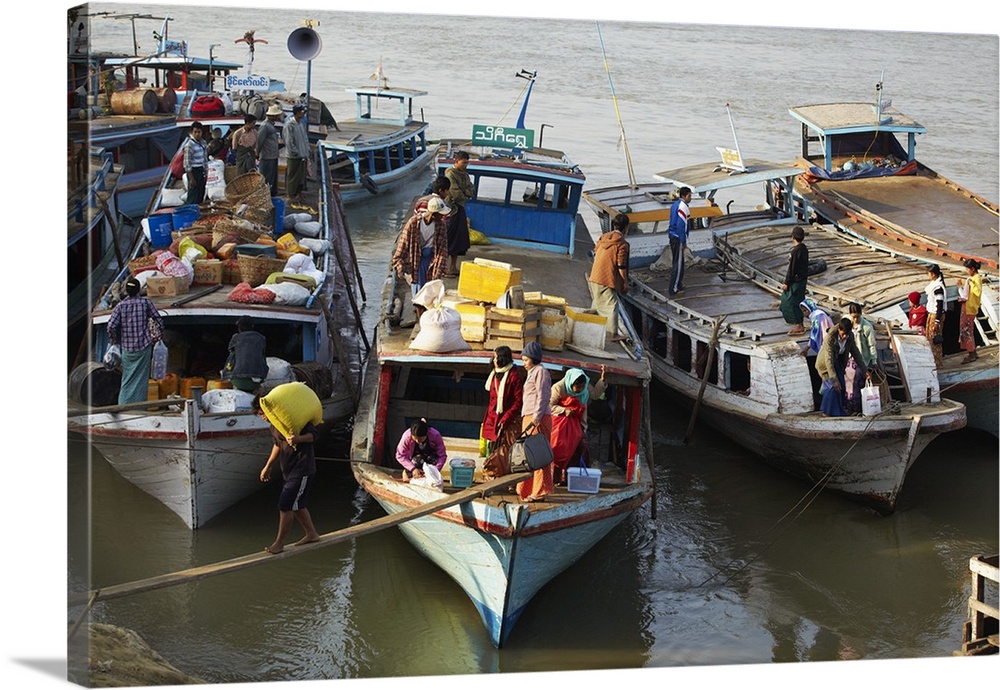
<point>507,137</point>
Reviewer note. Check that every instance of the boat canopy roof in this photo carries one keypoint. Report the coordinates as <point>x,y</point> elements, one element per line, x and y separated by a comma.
<point>173,62</point>
<point>709,177</point>
<point>844,118</point>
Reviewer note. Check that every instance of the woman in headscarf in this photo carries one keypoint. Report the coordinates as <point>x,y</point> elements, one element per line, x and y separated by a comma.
<point>569,400</point>
<point>536,415</point>
<point>502,421</point>
<point>819,323</point>
<point>937,304</point>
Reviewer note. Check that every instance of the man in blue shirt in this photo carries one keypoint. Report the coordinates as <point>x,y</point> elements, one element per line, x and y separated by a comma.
<point>677,232</point>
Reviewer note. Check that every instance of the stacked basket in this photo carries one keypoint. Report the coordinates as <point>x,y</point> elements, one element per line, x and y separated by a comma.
<point>250,198</point>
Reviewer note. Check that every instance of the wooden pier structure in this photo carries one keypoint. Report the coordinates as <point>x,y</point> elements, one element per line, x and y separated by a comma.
<point>980,632</point>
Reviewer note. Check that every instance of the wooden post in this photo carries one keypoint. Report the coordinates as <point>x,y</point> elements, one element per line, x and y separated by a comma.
<point>710,361</point>
<point>899,363</point>
<point>648,439</point>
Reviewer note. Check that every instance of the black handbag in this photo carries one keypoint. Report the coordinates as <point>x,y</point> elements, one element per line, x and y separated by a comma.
<point>530,452</point>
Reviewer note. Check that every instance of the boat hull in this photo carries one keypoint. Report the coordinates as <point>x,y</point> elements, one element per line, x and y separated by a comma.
<point>501,556</point>
<point>864,458</point>
<point>355,192</point>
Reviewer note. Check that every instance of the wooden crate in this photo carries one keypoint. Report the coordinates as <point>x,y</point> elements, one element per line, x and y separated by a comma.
<point>514,328</point>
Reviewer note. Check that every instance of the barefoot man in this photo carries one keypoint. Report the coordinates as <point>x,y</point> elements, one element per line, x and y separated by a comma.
<point>296,457</point>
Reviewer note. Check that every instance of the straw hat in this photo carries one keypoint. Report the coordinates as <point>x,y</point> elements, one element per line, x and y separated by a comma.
<point>274,109</point>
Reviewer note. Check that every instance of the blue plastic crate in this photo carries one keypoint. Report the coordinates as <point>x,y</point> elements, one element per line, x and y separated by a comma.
<point>462,472</point>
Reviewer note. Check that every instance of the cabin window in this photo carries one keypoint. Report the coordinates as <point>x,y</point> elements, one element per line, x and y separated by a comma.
<point>681,350</point>
<point>658,338</point>
<point>737,372</point>
<point>702,360</point>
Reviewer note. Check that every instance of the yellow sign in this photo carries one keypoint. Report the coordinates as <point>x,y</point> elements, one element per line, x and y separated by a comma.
<point>730,158</point>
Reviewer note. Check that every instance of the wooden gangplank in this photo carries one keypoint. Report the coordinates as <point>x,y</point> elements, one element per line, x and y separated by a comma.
<point>210,569</point>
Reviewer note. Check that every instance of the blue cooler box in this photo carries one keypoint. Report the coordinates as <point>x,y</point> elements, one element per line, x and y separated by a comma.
<point>583,480</point>
<point>462,471</point>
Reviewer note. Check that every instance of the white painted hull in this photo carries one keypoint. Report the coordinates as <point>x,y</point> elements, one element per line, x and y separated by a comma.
<point>356,192</point>
<point>197,465</point>
<point>866,458</point>
<point>502,556</point>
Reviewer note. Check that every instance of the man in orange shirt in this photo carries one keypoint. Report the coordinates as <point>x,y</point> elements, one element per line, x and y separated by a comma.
<point>609,275</point>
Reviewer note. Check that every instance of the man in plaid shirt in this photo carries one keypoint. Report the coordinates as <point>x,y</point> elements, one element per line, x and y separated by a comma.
<point>129,328</point>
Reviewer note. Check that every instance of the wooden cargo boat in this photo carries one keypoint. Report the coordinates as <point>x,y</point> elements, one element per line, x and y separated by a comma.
<point>856,271</point>
<point>885,195</point>
<point>502,551</point>
<point>199,459</point>
<point>723,346</point>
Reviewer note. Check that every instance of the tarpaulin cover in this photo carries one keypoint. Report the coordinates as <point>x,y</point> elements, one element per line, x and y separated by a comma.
<point>817,173</point>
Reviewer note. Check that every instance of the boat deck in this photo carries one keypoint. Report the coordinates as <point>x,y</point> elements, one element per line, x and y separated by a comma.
<point>612,477</point>
<point>556,275</point>
<point>927,217</point>
<point>855,270</point>
<point>709,293</point>
<point>354,134</point>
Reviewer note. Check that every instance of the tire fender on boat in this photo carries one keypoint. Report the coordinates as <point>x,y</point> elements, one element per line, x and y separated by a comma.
<point>369,183</point>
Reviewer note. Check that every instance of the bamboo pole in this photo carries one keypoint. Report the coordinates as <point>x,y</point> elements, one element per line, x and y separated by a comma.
<point>709,361</point>
<point>210,569</point>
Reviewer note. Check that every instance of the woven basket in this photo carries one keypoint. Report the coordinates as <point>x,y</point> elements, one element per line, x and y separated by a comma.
<point>244,184</point>
<point>229,174</point>
<point>256,269</point>
<point>258,198</point>
<point>257,216</point>
<point>245,231</point>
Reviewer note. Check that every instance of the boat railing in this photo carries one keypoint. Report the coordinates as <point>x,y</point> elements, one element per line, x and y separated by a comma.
<point>692,315</point>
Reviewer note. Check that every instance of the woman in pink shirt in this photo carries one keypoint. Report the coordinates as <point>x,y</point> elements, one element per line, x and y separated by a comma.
<point>536,413</point>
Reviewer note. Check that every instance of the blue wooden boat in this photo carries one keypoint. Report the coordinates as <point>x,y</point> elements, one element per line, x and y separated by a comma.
<point>501,551</point>
<point>382,147</point>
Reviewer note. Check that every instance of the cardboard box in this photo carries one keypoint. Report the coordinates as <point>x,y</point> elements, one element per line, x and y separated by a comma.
<point>166,286</point>
<point>482,280</point>
<point>207,272</point>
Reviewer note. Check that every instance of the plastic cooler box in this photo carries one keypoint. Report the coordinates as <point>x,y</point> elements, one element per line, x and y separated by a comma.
<point>583,480</point>
<point>185,216</point>
<point>462,470</point>
<point>279,214</point>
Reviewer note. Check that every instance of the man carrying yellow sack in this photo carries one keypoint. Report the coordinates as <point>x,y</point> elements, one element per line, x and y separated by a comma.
<point>293,410</point>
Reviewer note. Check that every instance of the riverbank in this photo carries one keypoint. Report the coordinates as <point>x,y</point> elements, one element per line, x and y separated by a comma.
<point>119,658</point>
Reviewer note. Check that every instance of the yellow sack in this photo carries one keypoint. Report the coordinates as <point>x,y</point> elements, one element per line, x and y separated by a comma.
<point>186,244</point>
<point>476,237</point>
<point>290,406</point>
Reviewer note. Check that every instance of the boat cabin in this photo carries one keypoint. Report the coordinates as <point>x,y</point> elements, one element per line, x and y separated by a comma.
<point>542,214</point>
<point>864,132</point>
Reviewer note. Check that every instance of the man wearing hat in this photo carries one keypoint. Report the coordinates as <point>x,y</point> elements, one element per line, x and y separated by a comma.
<point>296,153</point>
<point>536,414</point>
<point>129,327</point>
<point>422,249</point>
<point>267,148</point>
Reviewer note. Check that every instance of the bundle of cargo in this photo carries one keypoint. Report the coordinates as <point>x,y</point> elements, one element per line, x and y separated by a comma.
<point>514,328</point>
<point>554,320</point>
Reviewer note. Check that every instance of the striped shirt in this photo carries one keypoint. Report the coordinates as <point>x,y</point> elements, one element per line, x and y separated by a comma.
<point>129,323</point>
<point>194,153</point>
